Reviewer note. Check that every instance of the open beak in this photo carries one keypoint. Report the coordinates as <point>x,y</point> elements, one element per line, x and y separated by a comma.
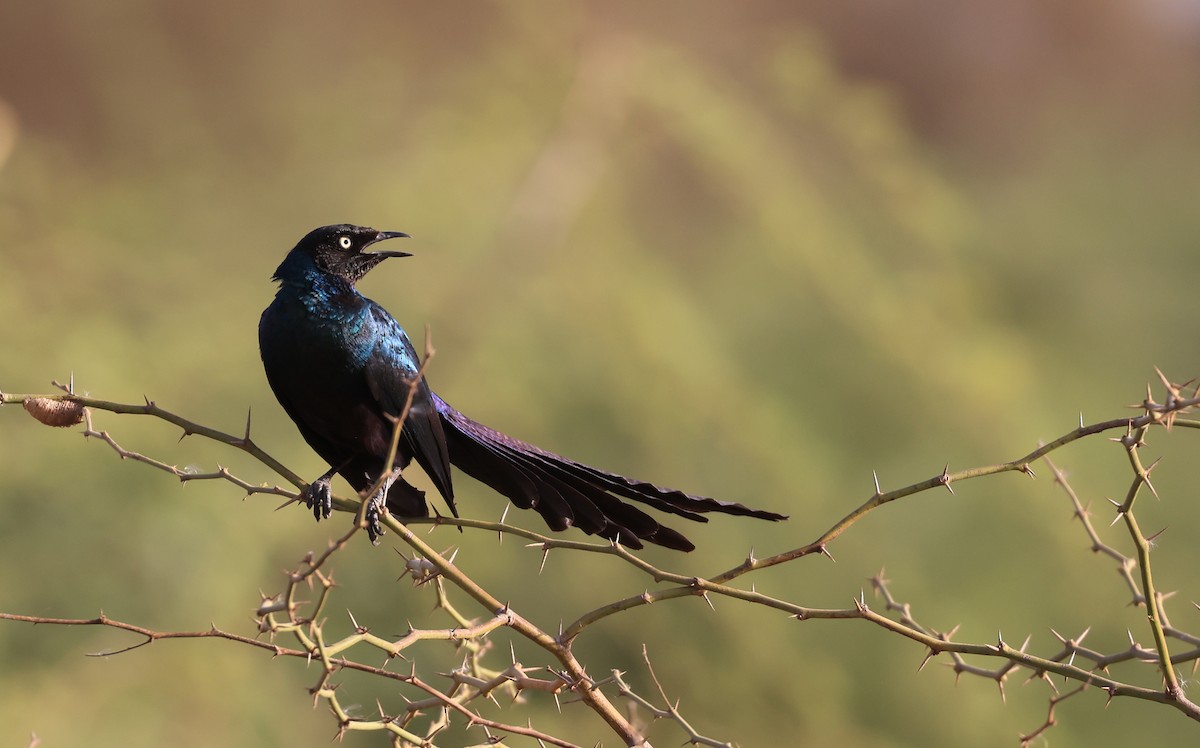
<point>384,235</point>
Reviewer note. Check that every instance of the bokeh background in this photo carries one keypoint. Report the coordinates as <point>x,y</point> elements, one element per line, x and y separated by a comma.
<point>755,250</point>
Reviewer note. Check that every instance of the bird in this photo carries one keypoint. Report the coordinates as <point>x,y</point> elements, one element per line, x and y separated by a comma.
<point>344,369</point>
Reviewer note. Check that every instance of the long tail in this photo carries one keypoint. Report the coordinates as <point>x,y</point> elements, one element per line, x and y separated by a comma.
<point>568,493</point>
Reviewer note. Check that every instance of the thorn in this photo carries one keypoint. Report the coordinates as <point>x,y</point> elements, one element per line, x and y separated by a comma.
<point>1161,378</point>
<point>880,579</point>
<point>545,555</point>
<point>1154,537</point>
<point>500,532</point>
<point>825,552</point>
<point>1060,637</point>
<point>1084,512</point>
<point>1146,477</point>
<point>1003,697</point>
<point>944,478</point>
<point>860,602</point>
<point>875,478</point>
<point>1081,419</point>
<point>926,659</point>
<point>1050,682</point>
<point>1120,512</point>
<point>246,438</point>
<point>708,600</point>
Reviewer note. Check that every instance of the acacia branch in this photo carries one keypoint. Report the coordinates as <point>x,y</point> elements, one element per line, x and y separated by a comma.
<point>284,614</point>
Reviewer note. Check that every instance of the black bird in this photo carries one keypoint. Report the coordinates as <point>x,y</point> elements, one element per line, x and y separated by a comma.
<point>340,365</point>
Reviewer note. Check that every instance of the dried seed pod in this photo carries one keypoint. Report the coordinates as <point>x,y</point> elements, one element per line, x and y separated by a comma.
<point>54,412</point>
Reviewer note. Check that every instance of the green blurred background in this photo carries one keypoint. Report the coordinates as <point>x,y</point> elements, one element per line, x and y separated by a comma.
<point>755,250</point>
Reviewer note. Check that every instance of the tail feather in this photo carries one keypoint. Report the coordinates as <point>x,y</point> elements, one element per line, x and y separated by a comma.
<point>626,523</point>
<point>671,500</point>
<point>566,492</point>
<point>525,482</point>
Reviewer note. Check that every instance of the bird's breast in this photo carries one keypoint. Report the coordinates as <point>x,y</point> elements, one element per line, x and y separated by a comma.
<point>315,363</point>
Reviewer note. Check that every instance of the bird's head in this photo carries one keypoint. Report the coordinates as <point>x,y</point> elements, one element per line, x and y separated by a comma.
<point>340,250</point>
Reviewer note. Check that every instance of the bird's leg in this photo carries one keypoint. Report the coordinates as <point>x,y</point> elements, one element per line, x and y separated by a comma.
<point>319,497</point>
<point>376,507</point>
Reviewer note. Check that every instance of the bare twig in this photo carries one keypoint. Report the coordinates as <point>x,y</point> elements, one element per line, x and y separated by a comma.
<point>286,615</point>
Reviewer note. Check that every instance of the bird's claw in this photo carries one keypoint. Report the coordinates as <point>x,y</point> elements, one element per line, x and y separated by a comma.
<point>319,498</point>
<point>371,517</point>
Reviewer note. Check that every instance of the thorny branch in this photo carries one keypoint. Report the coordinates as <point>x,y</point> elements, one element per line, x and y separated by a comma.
<point>283,614</point>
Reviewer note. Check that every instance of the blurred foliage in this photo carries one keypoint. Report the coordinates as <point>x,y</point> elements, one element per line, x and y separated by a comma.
<point>754,250</point>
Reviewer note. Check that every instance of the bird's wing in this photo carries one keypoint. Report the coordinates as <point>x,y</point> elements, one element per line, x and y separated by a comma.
<point>391,367</point>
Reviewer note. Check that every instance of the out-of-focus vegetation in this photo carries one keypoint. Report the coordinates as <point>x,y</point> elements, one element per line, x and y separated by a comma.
<point>754,250</point>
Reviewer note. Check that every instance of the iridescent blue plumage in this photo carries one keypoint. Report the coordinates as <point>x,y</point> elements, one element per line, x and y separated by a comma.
<point>341,367</point>
<point>339,364</point>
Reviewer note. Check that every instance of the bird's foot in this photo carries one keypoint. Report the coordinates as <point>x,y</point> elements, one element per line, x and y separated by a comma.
<point>372,515</point>
<point>319,497</point>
